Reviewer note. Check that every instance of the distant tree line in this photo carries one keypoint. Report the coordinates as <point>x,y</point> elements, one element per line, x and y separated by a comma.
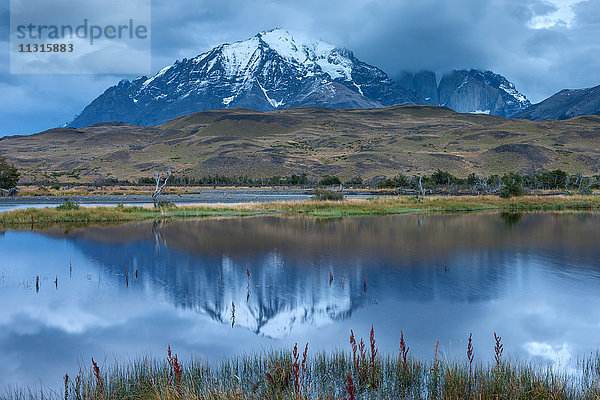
<point>241,180</point>
<point>507,185</point>
<point>510,184</point>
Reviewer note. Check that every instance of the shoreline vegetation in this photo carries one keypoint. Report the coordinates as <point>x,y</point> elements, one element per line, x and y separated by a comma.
<point>439,182</point>
<point>74,215</point>
<point>363,373</point>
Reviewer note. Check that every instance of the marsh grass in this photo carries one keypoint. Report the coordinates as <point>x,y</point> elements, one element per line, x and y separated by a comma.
<point>271,376</point>
<point>45,217</point>
<point>335,375</point>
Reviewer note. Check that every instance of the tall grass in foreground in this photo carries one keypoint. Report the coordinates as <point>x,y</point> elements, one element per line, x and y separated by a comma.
<point>361,374</point>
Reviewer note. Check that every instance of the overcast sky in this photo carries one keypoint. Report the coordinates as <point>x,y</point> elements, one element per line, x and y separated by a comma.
<point>542,46</point>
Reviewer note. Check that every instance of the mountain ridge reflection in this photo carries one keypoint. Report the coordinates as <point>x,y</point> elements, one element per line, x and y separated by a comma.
<point>201,265</point>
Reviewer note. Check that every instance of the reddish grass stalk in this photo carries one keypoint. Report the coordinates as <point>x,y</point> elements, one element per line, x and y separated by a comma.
<point>99,383</point>
<point>373,355</point>
<point>498,349</point>
<point>296,369</point>
<point>176,368</point>
<point>67,386</point>
<point>403,352</point>
<point>362,374</point>
<point>248,273</point>
<point>330,277</point>
<point>350,387</point>
<point>470,355</point>
<point>304,365</point>
<point>361,349</point>
<point>354,349</point>
<point>178,372</point>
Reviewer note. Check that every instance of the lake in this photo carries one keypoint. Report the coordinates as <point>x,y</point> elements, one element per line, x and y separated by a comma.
<point>205,196</point>
<point>118,292</point>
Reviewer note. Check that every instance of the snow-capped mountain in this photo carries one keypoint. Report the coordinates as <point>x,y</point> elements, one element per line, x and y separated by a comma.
<point>483,92</point>
<point>276,69</point>
<point>281,295</point>
<point>271,70</point>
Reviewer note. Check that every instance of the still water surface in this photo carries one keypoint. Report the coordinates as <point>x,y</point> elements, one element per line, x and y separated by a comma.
<point>208,196</point>
<point>533,278</point>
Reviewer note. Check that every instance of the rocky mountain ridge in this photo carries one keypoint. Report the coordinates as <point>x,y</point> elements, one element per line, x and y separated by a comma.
<point>568,103</point>
<point>276,69</point>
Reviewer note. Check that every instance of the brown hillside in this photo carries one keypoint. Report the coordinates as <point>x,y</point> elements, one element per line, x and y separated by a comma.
<point>367,143</point>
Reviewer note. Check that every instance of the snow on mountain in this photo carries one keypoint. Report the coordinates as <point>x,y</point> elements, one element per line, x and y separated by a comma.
<point>271,70</point>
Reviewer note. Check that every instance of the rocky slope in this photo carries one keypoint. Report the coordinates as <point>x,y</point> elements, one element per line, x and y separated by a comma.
<point>566,104</point>
<point>423,83</point>
<point>483,92</point>
<point>473,91</point>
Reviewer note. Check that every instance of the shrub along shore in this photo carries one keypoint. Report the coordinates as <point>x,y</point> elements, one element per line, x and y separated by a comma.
<point>70,213</point>
<point>363,373</point>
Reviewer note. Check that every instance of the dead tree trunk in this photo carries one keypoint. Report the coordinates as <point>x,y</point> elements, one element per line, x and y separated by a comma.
<point>161,182</point>
<point>421,193</point>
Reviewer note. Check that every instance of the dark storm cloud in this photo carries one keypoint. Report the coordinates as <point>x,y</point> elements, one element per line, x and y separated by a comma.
<point>409,35</point>
<point>394,35</point>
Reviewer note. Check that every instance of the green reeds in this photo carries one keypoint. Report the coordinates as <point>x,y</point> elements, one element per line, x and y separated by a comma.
<point>361,374</point>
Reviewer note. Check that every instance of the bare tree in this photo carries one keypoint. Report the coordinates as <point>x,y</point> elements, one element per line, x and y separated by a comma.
<point>481,186</point>
<point>9,192</point>
<point>421,191</point>
<point>161,182</point>
<point>586,184</point>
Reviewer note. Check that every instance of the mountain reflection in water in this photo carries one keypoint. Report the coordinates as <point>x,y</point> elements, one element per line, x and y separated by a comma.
<point>532,278</point>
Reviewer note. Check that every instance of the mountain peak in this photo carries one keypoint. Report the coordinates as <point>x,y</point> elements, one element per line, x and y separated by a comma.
<point>481,92</point>
<point>568,103</point>
<point>279,69</point>
<point>270,70</point>
<point>334,61</point>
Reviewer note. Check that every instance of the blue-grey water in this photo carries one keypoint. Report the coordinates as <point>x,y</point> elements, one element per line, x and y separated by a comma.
<point>205,196</point>
<point>533,278</point>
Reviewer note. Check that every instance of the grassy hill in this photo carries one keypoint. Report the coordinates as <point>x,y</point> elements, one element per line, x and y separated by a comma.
<point>346,143</point>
